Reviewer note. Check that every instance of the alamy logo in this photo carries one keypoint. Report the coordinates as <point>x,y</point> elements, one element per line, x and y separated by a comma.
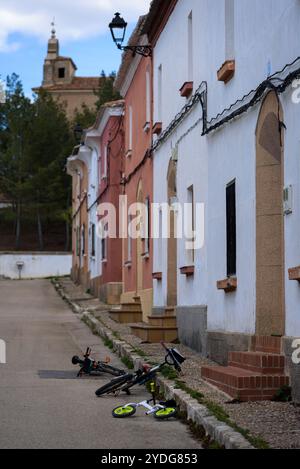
<point>296,354</point>
<point>2,352</point>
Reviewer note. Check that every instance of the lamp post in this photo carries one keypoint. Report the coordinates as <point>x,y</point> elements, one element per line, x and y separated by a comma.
<point>118,28</point>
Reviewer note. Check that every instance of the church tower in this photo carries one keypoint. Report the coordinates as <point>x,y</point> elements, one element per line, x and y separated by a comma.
<point>57,70</point>
<point>53,45</point>
<point>52,54</point>
<point>60,80</point>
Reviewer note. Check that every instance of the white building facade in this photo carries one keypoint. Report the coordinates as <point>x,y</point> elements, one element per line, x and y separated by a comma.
<point>234,148</point>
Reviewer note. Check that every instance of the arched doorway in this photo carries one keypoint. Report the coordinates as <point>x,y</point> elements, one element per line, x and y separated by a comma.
<point>172,239</point>
<point>270,296</point>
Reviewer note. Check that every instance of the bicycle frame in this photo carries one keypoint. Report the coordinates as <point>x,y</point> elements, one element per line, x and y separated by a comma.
<point>146,404</point>
<point>142,377</point>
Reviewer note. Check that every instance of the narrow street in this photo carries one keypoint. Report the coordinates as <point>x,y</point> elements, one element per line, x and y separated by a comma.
<point>42,403</point>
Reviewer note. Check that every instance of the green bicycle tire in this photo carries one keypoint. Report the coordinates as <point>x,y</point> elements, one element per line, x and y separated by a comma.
<point>123,412</point>
<point>166,413</point>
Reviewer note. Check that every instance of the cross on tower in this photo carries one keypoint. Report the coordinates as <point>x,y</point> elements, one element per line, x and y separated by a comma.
<point>53,32</point>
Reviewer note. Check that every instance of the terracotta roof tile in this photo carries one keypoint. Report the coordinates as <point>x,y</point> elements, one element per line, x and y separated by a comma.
<point>78,83</point>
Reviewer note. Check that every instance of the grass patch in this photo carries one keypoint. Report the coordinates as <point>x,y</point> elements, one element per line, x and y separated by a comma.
<point>169,373</point>
<point>199,432</point>
<point>217,411</point>
<point>127,362</point>
<point>221,415</point>
<point>194,394</point>
<point>108,343</point>
<point>116,335</point>
<point>140,352</point>
<point>256,441</point>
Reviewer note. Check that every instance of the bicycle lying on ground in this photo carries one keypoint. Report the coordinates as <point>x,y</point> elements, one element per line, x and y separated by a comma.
<point>161,410</point>
<point>143,376</point>
<point>91,367</point>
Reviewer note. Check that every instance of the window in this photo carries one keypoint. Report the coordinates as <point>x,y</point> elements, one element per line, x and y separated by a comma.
<point>99,168</point>
<point>130,136</point>
<point>191,222</point>
<point>229,30</point>
<point>104,243</point>
<point>83,240</point>
<point>61,72</point>
<point>93,240</point>
<point>78,241</point>
<point>105,162</point>
<point>147,225</point>
<point>231,228</point>
<point>159,94</point>
<point>148,95</point>
<point>160,240</point>
<point>129,243</point>
<point>190,53</point>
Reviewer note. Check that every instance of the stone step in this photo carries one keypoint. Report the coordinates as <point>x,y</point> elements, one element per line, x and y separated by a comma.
<point>244,385</point>
<point>169,321</point>
<point>170,310</point>
<point>127,307</point>
<point>266,344</point>
<point>126,317</point>
<point>154,334</point>
<point>264,363</point>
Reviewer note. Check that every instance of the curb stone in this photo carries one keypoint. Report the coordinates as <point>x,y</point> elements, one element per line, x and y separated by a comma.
<point>220,432</point>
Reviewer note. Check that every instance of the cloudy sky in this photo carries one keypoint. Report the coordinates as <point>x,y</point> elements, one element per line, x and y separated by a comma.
<point>81,28</point>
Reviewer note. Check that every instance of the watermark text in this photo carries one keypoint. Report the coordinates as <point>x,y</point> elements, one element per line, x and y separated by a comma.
<point>2,352</point>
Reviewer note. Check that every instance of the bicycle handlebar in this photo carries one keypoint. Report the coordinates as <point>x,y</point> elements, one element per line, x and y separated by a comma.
<point>171,354</point>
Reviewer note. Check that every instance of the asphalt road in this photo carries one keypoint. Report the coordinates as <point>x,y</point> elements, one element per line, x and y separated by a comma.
<point>42,403</point>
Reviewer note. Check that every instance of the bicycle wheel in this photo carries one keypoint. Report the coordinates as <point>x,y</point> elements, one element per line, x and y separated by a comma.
<point>77,361</point>
<point>166,413</point>
<point>123,412</point>
<point>104,368</point>
<point>113,385</point>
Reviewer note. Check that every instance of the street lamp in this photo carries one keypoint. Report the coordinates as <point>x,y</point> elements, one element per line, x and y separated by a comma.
<point>78,132</point>
<point>118,28</point>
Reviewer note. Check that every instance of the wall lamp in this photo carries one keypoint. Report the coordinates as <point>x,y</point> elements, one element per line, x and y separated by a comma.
<point>118,28</point>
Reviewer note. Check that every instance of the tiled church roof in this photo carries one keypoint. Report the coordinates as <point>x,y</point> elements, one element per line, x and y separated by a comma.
<point>78,83</point>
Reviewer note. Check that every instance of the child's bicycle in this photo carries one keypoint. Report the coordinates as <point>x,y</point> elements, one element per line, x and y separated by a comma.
<point>126,382</point>
<point>91,367</point>
<point>160,411</point>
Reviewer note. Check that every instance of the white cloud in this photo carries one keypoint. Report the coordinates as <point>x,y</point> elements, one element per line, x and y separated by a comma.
<point>75,19</point>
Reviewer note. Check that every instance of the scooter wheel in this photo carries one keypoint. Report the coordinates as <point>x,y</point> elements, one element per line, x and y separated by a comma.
<point>123,412</point>
<point>166,413</point>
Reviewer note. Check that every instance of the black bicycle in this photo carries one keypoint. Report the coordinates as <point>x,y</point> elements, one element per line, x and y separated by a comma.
<point>143,376</point>
<point>91,367</point>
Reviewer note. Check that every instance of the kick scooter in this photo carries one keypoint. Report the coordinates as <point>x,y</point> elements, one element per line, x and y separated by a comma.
<point>160,411</point>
